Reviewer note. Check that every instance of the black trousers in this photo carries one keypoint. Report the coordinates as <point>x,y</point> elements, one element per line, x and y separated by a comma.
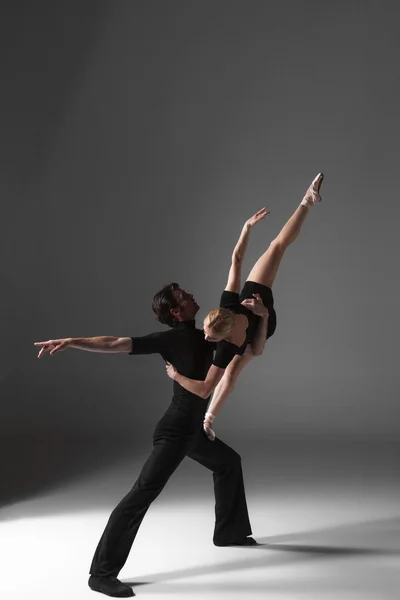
<point>178,434</point>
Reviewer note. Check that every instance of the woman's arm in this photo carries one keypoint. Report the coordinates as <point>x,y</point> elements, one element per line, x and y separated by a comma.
<point>227,383</point>
<point>224,389</point>
<point>233,284</point>
<point>200,388</point>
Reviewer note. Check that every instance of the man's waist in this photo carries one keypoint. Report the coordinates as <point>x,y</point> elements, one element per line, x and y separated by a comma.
<point>181,392</point>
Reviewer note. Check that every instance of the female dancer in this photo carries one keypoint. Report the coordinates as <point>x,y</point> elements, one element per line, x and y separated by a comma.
<point>234,326</point>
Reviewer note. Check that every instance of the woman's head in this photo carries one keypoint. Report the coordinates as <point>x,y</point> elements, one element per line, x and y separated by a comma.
<point>218,324</point>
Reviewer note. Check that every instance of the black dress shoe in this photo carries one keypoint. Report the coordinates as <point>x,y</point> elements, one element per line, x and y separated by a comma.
<point>110,586</point>
<point>248,541</point>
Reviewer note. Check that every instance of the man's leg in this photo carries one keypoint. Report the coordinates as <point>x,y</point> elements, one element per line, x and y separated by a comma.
<point>232,524</point>
<point>117,539</point>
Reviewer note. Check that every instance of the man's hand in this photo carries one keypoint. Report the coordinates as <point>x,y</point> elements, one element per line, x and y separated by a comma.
<point>171,371</point>
<point>248,351</point>
<point>53,346</point>
<point>256,306</point>
<point>257,217</point>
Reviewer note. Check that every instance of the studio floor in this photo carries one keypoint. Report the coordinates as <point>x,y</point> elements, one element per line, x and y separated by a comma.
<point>328,520</point>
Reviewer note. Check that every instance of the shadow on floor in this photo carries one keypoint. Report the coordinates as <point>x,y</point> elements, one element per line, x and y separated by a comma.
<point>378,538</point>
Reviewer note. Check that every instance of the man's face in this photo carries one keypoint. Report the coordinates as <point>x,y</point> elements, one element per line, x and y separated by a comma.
<point>188,307</point>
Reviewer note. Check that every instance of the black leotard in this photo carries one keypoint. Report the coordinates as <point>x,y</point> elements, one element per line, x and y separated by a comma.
<point>232,300</point>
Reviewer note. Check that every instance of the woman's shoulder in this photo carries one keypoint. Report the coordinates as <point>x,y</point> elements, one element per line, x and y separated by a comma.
<point>229,299</point>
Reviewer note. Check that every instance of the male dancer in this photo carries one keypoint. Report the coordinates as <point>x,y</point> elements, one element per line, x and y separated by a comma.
<point>179,433</point>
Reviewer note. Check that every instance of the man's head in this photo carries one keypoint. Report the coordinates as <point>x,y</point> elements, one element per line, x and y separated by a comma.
<point>172,304</point>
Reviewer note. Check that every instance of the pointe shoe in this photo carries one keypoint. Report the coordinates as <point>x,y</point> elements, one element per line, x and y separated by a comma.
<point>312,195</point>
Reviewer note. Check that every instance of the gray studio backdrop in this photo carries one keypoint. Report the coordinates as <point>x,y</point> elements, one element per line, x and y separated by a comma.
<point>136,139</point>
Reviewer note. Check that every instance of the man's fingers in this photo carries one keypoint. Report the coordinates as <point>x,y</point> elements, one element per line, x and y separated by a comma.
<point>48,343</point>
<point>55,349</point>
<point>44,349</point>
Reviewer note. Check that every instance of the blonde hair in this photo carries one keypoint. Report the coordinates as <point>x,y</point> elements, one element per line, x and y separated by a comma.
<point>220,321</point>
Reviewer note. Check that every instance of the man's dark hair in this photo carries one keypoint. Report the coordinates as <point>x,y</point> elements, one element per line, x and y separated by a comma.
<point>163,301</point>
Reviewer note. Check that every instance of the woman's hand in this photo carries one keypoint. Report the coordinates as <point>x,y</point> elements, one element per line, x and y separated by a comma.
<point>209,418</point>
<point>257,217</point>
<point>171,371</point>
<point>256,306</point>
<point>208,430</point>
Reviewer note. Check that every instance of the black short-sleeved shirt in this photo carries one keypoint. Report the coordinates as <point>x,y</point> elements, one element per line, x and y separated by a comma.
<point>185,347</point>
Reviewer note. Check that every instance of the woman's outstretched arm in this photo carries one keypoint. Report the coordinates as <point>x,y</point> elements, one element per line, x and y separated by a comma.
<point>226,386</point>
<point>234,276</point>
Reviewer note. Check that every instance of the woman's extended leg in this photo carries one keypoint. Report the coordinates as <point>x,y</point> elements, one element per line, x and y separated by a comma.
<point>266,268</point>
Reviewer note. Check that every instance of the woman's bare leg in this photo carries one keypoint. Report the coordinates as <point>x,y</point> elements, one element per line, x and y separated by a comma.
<point>266,268</point>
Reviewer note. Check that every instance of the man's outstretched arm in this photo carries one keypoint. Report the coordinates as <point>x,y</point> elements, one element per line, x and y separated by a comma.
<point>102,343</point>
